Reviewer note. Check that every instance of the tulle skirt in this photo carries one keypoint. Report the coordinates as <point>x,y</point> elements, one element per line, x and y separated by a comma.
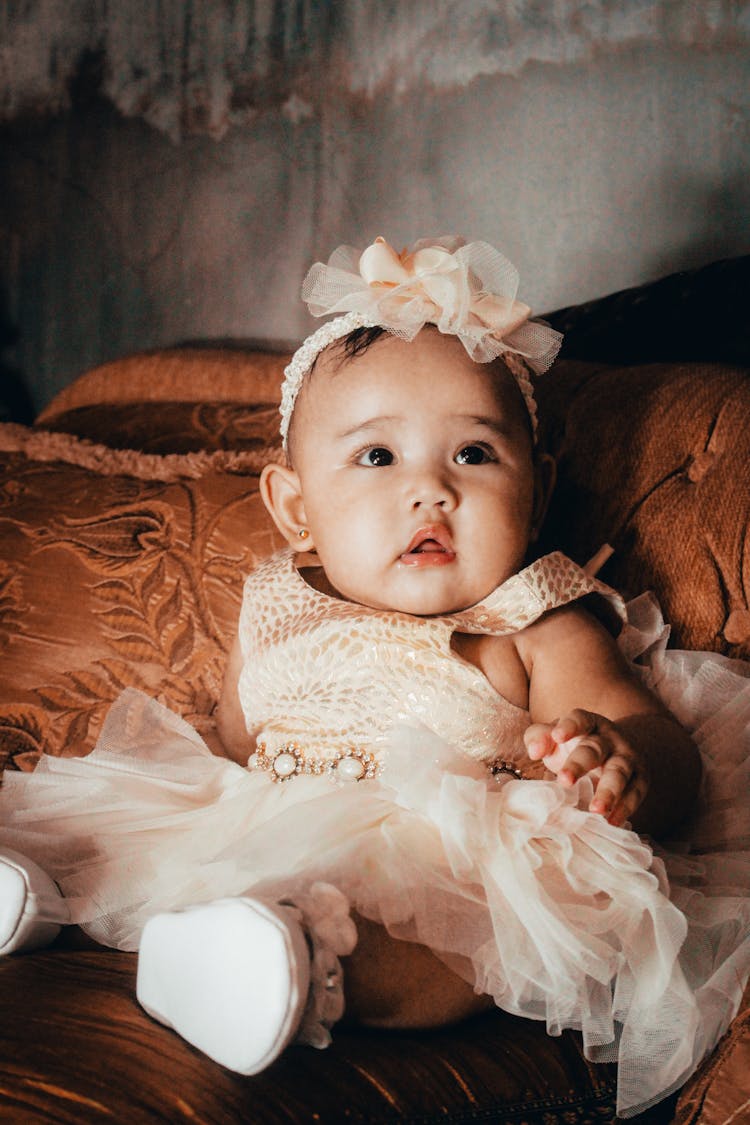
<point>514,884</point>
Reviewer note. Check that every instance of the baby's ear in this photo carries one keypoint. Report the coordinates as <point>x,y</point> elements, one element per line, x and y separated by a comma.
<point>545,475</point>
<point>282,495</point>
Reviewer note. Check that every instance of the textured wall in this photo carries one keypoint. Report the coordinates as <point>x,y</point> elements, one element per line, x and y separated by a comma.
<point>178,167</point>
<point>186,65</point>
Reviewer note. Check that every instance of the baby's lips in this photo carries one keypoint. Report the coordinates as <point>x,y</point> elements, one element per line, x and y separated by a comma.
<point>433,533</point>
<point>431,547</point>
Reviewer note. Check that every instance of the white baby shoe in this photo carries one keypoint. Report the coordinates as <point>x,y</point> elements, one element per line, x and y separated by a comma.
<point>31,907</point>
<point>231,977</point>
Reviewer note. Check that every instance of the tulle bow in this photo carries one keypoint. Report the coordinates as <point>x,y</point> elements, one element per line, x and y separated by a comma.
<point>466,289</point>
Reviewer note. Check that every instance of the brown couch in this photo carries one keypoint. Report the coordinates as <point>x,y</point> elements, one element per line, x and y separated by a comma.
<point>122,551</point>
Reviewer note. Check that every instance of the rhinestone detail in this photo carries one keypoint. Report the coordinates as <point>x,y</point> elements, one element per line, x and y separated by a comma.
<point>290,760</point>
<point>501,766</point>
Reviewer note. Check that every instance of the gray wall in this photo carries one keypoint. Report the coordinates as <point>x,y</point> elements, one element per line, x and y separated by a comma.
<point>598,145</point>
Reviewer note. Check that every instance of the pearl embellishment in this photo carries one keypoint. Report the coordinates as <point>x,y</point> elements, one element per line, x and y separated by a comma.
<point>284,765</point>
<point>285,762</point>
<point>350,769</point>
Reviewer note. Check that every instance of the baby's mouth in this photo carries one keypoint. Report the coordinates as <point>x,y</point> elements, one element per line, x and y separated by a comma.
<point>430,546</point>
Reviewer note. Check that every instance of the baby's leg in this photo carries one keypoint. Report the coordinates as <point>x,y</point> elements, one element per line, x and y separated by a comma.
<point>31,907</point>
<point>393,984</point>
<point>241,978</point>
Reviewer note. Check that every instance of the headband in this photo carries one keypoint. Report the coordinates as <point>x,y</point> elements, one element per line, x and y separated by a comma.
<point>467,290</point>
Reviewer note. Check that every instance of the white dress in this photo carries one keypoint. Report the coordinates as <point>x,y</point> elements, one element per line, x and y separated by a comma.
<point>372,772</point>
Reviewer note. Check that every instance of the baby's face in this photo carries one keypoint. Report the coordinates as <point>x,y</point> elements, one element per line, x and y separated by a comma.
<point>416,474</point>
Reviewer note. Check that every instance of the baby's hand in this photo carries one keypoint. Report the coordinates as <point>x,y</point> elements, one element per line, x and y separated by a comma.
<point>584,742</point>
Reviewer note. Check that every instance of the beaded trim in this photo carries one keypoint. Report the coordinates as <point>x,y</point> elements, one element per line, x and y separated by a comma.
<point>290,760</point>
<point>501,766</point>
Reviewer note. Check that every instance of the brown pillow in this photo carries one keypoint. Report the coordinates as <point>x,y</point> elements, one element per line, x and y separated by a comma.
<point>654,460</point>
<point>172,427</point>
<point>116,569</point>
<point>181,374</point>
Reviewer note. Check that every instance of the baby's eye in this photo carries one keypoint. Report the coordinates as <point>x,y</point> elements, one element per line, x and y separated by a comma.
<point>474,455</point>
<point>377,456</point>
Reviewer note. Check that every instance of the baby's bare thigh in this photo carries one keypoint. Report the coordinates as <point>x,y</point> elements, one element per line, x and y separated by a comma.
<point>400,985</point>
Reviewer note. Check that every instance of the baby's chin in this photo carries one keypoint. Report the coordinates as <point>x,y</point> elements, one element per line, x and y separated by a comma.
<point>415,606</point>
<point>420,592</point>
<point>422,603</point>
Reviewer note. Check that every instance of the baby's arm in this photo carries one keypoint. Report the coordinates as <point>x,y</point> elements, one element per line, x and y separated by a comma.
<point>646,767</point>
<point>236,743</point>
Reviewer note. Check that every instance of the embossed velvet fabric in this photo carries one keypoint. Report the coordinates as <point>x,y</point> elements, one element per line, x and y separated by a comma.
<point>116,569</point>
<point>654,459</point>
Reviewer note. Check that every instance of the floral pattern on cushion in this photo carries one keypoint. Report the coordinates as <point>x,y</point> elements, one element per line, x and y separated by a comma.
<point>183,427</point>
<point>116,569</point>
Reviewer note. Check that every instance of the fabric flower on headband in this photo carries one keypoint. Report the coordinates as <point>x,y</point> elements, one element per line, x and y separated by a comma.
<point>467,290</point>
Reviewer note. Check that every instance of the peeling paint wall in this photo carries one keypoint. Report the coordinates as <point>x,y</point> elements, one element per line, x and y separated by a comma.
<point>211,64</point>
<point>185,162</point>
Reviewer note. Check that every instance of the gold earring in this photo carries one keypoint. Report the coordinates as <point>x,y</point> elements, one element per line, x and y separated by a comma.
<point>303,533</point>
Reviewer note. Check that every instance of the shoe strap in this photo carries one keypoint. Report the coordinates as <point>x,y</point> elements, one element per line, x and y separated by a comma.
<point>323,912</point>
<point>47,908</point>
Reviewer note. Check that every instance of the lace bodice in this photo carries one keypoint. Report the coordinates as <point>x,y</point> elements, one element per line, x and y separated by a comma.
<point>331,675</point>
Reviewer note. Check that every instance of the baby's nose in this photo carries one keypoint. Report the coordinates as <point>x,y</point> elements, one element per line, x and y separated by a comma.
<point>432,491</point>
<point>430,504</point>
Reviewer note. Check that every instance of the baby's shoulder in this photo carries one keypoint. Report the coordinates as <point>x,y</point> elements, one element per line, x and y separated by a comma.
<point>570,634</point>
<point>575,619</point>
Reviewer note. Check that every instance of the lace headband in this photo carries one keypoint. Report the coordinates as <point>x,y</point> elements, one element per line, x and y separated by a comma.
<point>466,290</point>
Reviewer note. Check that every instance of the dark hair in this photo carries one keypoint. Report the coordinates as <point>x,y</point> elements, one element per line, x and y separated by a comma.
<point>350,346</point>
<point>355,343</point>
<point>360,339</point>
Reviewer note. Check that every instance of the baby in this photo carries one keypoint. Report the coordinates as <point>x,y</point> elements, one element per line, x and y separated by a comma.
<point>397,675</point>
<point>420,489</point>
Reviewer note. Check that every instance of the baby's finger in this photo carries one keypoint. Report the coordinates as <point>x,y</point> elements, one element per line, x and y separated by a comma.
<point>555,762</point>
<point>588,755</point>
<point>538,740</point>
<point>616,776</point>
<point>576,722</point>
<point>630,802</point>
<point>621,790</point>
